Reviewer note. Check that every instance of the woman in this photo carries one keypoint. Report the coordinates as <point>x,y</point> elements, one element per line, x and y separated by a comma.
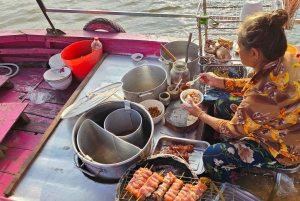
<point>266,124</point>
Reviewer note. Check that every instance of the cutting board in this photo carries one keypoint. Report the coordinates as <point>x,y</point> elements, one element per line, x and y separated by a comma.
<point>178,119</point>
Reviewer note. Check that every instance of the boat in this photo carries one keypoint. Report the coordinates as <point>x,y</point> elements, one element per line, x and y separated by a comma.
<point>38,161</point>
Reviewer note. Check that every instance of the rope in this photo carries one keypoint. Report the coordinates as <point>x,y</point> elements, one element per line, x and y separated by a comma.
<point>7,66</point>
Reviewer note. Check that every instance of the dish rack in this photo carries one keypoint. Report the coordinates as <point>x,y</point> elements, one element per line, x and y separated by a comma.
<point>222,21</point>
<point>229,191</point>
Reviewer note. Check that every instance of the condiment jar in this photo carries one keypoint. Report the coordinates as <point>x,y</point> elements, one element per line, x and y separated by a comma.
<point>165,98</point>
<point>179,71</point>
<point>174,94</point>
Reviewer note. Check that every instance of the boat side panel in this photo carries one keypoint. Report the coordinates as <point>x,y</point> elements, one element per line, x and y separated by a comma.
<point>15,46</point>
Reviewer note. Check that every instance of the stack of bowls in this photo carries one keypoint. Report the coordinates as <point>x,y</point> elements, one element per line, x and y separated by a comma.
<point>56,62</point>
<point>58,78</point>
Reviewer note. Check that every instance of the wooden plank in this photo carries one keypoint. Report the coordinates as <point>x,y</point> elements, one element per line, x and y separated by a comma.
<point>57,96</point>
<point>8,191</point>
<point>37,124</point>
<point>7,96</point>
<point>16,59</point>
<point>13,160</point>
<point>9,113</point>
<point>47,110</point>
<point>29,76</point>
<point>21,139</point>
<point>5,179</point>
<point>27,51</point>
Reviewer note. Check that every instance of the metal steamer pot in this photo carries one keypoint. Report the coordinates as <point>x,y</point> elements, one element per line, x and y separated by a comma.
<point>178,49</point>
<point>144,82</point>
<point>116,170</point>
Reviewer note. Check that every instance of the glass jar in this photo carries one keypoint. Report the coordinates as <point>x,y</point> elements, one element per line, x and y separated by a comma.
<point>180,71</point>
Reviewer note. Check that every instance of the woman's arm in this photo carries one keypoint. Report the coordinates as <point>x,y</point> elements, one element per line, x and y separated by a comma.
<point>223,83</point>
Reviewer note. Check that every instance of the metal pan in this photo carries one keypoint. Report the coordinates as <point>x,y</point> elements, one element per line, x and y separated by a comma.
<point>195,158</point>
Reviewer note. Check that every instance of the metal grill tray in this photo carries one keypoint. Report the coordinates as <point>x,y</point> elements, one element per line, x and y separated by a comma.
<point>229,191</point>
<point>195,158</point>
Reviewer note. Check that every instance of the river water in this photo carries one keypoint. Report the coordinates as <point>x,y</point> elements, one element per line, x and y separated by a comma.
<point>26,14</point>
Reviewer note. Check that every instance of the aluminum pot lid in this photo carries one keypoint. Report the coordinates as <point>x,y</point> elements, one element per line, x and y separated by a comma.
<point>92,98</point>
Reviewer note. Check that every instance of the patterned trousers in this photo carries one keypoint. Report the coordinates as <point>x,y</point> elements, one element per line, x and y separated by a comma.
<point>219,159</point>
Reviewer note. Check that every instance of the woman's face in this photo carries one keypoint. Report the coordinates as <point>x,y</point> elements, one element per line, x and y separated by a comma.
<point>245,55</point>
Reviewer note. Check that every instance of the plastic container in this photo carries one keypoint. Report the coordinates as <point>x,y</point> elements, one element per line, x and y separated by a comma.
<point>96,45</point>
<point>80,59</point>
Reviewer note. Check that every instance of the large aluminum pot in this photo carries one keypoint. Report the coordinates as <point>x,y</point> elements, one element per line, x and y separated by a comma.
<point>178,49</point>
<point>144,82</point>
<point>116,170</point>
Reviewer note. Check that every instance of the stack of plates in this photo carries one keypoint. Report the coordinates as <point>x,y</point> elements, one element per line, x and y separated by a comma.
<point>58,78</point>
<point>56,62</point>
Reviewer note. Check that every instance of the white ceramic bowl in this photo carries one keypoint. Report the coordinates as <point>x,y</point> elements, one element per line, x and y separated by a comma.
<point>186,92</point>
<point>61,85</point>
<point>137,56</point>
<point>250,7</point>
<point>56,61</point>
<point>154,103</point>
<point>57,74</point>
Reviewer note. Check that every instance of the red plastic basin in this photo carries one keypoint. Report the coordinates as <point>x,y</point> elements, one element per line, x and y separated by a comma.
<point>80,59</point>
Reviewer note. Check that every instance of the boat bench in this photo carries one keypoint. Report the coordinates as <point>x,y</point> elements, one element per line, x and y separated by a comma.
<point>10,113</point>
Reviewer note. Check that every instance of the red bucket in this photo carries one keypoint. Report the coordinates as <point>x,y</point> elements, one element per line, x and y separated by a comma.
<point>80,58</point>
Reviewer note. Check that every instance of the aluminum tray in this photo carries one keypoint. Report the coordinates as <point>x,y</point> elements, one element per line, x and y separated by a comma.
<point>195,158</point>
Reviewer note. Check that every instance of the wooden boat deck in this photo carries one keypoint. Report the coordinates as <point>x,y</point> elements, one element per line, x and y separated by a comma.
<point>21,140</point>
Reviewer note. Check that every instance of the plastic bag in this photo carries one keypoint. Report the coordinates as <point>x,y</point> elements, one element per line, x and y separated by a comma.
<point>36,96</point>
<point>286,187</point>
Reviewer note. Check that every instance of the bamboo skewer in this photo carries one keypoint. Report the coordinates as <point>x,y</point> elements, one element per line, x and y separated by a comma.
<point>127,191</point>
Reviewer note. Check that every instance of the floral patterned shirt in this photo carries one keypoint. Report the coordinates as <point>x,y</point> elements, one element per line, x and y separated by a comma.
<point>269,111</point>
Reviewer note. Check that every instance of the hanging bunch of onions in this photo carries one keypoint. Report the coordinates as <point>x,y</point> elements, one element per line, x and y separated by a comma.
<point>291,6</point>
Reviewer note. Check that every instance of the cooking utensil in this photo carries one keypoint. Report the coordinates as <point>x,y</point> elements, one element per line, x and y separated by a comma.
<point>195,158</point>
<point>129,127</point>
<point>98,144</point>
<point>190,83</point>
<point>91,99</point>
<point>168,52</point>
<point>158,163</point>
<point>144,82</point>
<point>187,48</point>
<point>178,49</point>
<point>98,115</point>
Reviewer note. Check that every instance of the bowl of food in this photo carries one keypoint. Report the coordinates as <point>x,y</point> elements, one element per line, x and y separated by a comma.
<point>155,108</point>
<point>195,95</point>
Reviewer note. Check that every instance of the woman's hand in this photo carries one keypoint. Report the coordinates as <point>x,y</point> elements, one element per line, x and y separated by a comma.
<point>209,79</point>
<point>194,110</point>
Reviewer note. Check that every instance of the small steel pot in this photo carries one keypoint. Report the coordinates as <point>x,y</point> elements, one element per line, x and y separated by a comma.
<point>178,49</point>
<point>144,82</point>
